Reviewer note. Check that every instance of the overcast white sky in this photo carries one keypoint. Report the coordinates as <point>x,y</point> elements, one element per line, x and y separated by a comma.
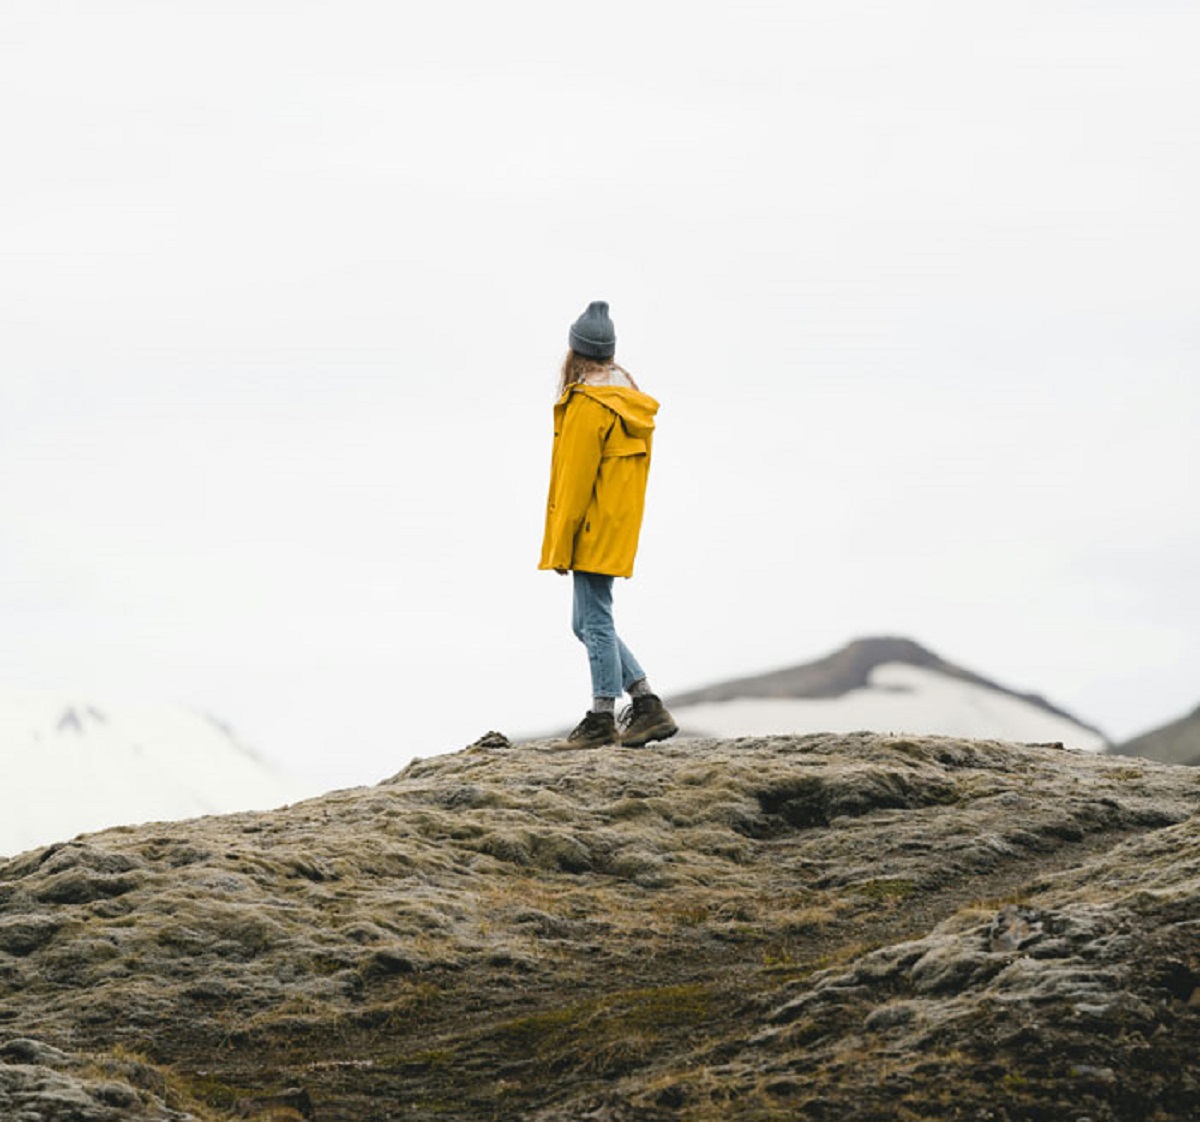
<point>283,287</point>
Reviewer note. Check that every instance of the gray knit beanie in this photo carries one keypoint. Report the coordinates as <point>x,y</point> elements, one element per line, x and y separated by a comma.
<point>592,334</point>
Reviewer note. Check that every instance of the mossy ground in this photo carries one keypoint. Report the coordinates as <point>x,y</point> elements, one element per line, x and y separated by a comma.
<point>708,930</point>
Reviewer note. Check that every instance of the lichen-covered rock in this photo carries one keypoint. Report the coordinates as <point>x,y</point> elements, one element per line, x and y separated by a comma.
<point>41,1083</point>
<point>24,934</point>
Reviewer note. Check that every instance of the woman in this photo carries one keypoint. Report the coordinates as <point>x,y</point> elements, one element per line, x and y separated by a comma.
<point>603,428</point>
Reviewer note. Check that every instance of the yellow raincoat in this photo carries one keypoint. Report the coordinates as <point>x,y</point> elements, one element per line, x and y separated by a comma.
<point>598,472</point>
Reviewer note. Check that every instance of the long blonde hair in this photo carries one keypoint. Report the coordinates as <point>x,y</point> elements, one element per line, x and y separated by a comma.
<point>576,368</point>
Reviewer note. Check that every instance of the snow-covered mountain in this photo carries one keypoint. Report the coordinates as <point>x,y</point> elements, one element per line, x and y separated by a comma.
<point>68,766</point>
<point>881,685</point>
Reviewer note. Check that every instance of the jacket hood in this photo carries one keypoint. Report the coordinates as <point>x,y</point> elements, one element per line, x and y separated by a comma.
<point>636,409</point>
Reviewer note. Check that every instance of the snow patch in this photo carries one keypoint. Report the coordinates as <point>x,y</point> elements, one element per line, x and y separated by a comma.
<point>69,767</point>
<point>900,698</point>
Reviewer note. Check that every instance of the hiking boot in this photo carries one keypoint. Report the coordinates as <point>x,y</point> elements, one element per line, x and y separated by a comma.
<point>645,720</point>
<point>594,731</point>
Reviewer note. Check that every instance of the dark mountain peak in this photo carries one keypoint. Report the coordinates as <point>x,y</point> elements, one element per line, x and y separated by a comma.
<point>855,661</point>
<point>832,676</point>
<point>1177,742</point>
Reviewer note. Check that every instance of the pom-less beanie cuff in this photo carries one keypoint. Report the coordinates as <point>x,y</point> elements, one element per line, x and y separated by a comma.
<point>592,334</point>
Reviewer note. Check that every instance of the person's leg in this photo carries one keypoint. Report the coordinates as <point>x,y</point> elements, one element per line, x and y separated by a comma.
<point>631,670</point>
<point>613,668</point>
<point>593,601</point>
<point>592,622</point>
<point>647,719</point>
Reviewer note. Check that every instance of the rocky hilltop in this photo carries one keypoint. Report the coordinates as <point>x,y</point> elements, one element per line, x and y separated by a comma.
<point>836,927</point>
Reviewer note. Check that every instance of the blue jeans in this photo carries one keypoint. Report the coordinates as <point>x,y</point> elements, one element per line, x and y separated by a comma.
<point>614,669</point>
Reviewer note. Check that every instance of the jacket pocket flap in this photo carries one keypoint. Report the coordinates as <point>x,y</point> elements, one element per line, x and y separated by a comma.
<point>620,443</point>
